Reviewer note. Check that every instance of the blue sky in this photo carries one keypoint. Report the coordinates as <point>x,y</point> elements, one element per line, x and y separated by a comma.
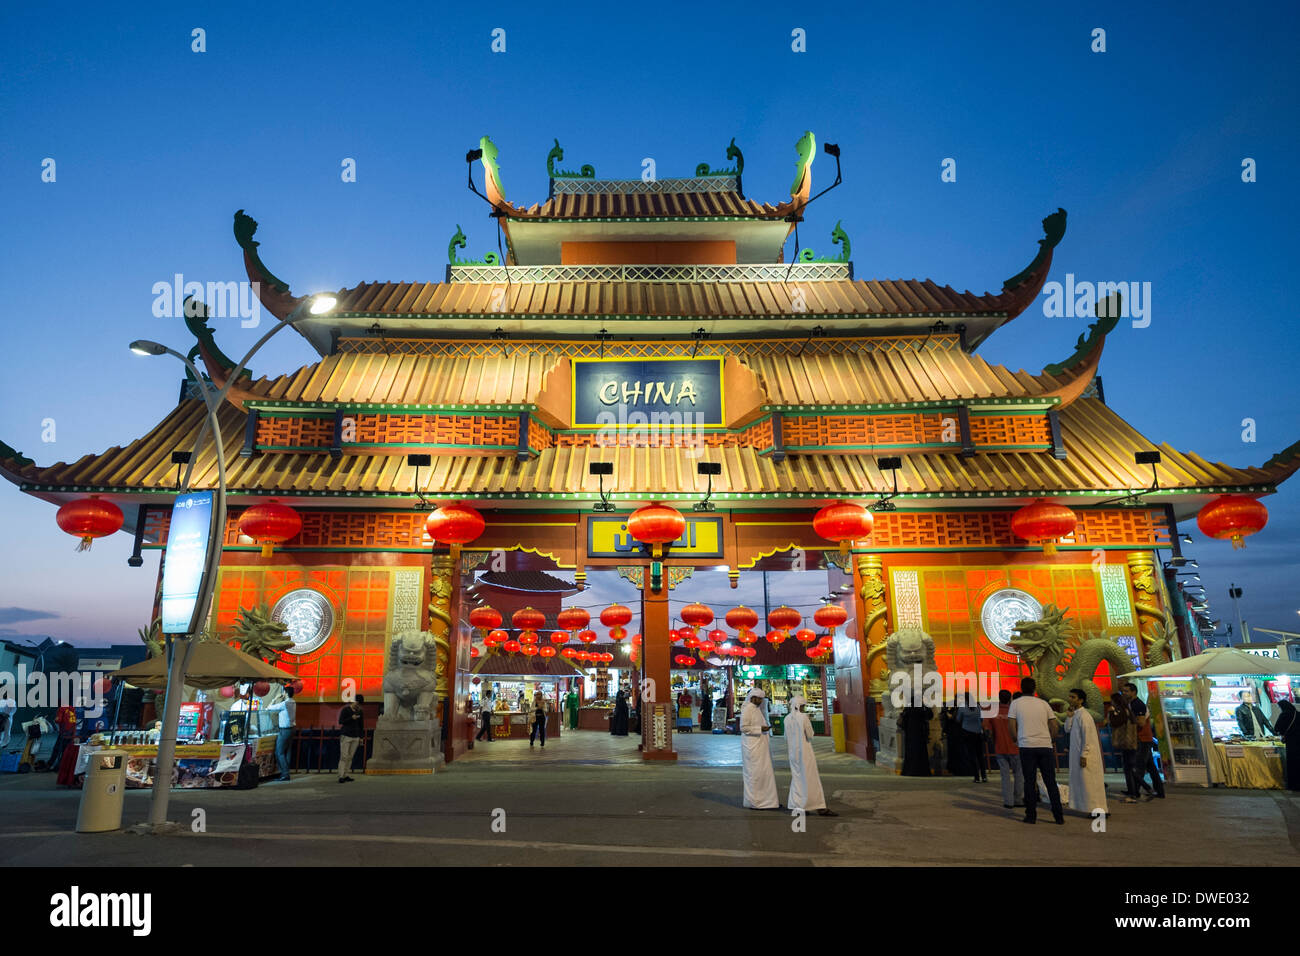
<point>156,146</point>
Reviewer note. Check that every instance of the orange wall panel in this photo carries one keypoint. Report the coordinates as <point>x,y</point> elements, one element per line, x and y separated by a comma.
<point>704,252</point>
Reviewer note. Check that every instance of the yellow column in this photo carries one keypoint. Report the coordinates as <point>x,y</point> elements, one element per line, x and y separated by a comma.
<point>1152,619</point>
<point>875,623</point>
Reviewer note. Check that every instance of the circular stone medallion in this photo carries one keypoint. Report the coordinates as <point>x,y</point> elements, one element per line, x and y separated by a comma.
<point>1003,610</point>
<point>308,618</point>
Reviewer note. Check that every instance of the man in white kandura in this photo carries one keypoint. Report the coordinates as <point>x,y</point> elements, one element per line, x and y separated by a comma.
<point>805,784</point>
<point>1087,785</point>
<point>756,756</point>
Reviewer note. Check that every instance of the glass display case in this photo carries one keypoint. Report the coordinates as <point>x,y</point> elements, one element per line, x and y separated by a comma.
<point>1224,700</point>
<point>1184,732</point>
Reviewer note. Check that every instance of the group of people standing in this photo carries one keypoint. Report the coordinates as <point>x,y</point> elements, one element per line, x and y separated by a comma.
<point>759,775</point>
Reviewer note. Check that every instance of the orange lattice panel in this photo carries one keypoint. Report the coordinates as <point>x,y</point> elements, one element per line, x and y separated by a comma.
<point>294,432</point>
<point>1010,430</point>
<point>837,430</point>
<point>539,437</point>
<point>930,530</point>
<point>355,649</point>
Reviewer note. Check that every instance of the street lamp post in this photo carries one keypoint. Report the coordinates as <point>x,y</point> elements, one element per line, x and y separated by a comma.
<point>180,645</point>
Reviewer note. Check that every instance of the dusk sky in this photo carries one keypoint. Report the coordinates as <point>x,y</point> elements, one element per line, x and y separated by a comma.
<point>155,147</point>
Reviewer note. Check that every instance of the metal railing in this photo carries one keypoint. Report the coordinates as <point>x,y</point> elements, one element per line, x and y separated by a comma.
<point>720,272</point>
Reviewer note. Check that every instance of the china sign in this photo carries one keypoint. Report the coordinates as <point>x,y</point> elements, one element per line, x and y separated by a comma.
<point>608,537</point>
<point>186,556</point>
<point>660,391</point>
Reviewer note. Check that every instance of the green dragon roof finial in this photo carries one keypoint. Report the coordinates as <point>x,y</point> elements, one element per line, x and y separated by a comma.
<point>1096,332</point>
<point>556,155</point>
<point>807,149</point>
<point>733,152</point>
<point>245,227</point>
<point>458,242</point>
<point>491,170</point>
<point>840,238</point>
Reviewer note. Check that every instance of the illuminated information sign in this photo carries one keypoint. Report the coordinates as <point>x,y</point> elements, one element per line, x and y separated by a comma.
<point>666,392</point>
<point>187,553</point>
<point>608,537</point>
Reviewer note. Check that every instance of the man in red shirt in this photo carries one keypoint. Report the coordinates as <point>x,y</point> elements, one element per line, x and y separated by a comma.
<point>1007,753</point>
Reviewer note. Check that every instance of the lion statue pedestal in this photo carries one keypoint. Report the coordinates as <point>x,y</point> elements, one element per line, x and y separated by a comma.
<point>908,652</point>
<point>405,733</point>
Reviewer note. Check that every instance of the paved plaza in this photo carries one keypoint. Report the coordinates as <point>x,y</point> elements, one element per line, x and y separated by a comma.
<point>587,799</point>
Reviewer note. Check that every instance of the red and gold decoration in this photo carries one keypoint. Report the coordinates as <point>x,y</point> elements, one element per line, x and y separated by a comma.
<point>586,637</point>
<point>570,652</point>
<point>573,618</point>
<point>616,615</point>
<point>547,651</point>
<point>528,619</point>
<point>697,615</point>
<point>742,618</point>
<point>746,636</point>
<point>844,523</point>
<point>1233,517</point>
<point>656,525</point>
<point>748,653</point>
<point>529,650</point>
<point>270,524</point>
<point>805,636</point>
<point>1042,521</point>
<point>559,637</point>
<point>89,518</point>
<point>684,660</point>
<point>784,618</point>
<point>617,633</point>
<point>485,618</point>
<point>455,525</point>
<point>776,638</point>
<point>830,616</point>
<point>528,637</point>
<point>512,647</point>
<point>496,639</point>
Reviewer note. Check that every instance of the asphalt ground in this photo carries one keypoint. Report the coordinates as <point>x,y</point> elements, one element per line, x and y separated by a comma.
<point>587,800</point>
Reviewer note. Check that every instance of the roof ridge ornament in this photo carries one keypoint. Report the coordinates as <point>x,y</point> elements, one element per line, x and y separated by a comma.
<point>458,242</point>
<point>556,155</point>
<point>1053,232</point>
<point>488,152</point>
<point>1108,314</point>
<point>194,312</point>
<point>733,152</point>
<point>9,453</point>
<point>245,227</point>
<point>806,148</point>
<point>838,237</point>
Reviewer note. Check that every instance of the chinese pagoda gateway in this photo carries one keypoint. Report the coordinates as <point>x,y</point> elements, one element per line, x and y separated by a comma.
<point>639,383</point>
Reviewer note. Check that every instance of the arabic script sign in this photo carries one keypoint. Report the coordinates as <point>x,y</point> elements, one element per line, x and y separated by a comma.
<point>608,537</point>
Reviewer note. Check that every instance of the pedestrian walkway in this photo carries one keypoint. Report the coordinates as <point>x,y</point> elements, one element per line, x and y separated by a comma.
<point>598,747</point>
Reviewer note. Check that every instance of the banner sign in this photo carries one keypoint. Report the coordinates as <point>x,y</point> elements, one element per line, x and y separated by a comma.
<point>669,392</point>
<point>183,564</point>
<point>608,537</point>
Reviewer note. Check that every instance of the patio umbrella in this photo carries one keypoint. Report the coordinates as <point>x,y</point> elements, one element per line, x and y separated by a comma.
<point>210,665</point>
<point>1215,662</point>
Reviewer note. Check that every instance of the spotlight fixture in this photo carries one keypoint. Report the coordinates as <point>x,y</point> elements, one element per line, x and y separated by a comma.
<point>600,469</point>
<point>417,462</point>
<point>890,463</point>
<point>709,468</point>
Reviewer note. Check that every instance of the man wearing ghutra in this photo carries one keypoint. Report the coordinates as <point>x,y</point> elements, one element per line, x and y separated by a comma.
<point>756,756</point>
<point>805,784</point>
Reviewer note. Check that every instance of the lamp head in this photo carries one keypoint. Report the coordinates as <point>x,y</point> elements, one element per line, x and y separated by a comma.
<point>322,303</point>
<point>145,347</point>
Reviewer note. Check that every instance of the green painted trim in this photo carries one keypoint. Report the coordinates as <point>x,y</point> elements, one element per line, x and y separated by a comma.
<point>683,496</point>
<point>819,411</point>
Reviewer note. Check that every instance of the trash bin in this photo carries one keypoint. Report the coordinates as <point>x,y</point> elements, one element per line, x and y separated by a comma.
<point>838,736</point>
<point>101,795</point>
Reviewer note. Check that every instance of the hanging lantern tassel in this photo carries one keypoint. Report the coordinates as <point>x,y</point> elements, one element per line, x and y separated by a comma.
<point>1049,547</point>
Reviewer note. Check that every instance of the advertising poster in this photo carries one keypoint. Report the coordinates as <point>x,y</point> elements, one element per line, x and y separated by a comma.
<point>187,550</point>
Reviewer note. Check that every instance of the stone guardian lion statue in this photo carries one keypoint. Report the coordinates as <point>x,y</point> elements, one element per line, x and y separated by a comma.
<point>410,678</point>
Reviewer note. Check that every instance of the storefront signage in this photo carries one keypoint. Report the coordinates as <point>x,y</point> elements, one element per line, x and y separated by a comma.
<point>608,537</point>
<point>187,554</point>
<point>1261,651</point>
<point>1234,750</point>
<point>641,392</point>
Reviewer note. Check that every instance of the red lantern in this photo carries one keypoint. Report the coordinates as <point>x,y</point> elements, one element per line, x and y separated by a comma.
<point>748,652</point>
<point>697,614</point>
<point>570,652</point>
<point>656,525</point>
<point>684,660</point>
<point>227,692</point>
<point>270,524</point>
<point>527,637</point>
<point>583,655</point>
<point>636,640</point>
<point>485,617</point>
<point>559,637</point>
<point>830,616</point>
<point>1043,521</point>
<point>616,615</point>
<point>455,524</point>
<point>528,619</point>
<point>805,636</point>
<point>717,636</point>
<point>775,638</point>
<point>784,618</point>
<point>617,633</point>
<point>707,647</point>
<point>747,636</point>
<point>843,522</point>
<point>528,650</point>
<point>473,652</point>
<point>89,518</point>
<point>512,647</point>
<point>476,681</point>
<point>496,638</point>
<point>607,657</point>
<point>742,618</point>
<point>1234,517</point>
<point>547,651</point>
<point>573,618</point>
<point>262,688</point>
<point>586,636</point>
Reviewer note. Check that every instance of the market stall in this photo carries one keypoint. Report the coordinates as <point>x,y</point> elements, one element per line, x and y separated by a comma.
<point>226,741</point>
<point>1215,720</point>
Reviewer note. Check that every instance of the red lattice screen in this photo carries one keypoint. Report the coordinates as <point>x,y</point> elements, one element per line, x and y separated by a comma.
<point>932,530</point>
